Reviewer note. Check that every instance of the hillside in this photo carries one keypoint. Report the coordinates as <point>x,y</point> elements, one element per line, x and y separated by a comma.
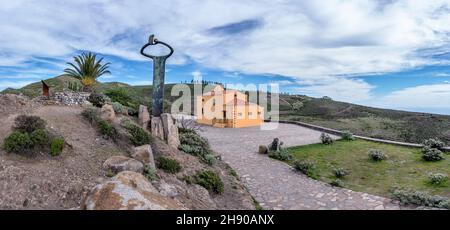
<point>361,120</point>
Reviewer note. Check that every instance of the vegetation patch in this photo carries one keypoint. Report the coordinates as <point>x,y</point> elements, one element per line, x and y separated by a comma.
<point>408,196</point>
<point>437,178</point>
<point>326,139</point>
<point>139,136</point>
<point>377,155</point>
<point>107,130</point>
<point>432,154</point>
<point>57,146</point>
<point>168,165</point>
<point>348,136</point>
<point>97,100</point>
<point>306,167</point>
<point>150,173</point>
<point>28,124</point>
<point>17,142</point>
<point>282,155</point>
<point>209,180</point>
<point>192,143</point>
<point>404,168</point>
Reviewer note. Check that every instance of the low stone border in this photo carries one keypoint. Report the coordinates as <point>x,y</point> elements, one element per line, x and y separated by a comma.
<point>339,133</point>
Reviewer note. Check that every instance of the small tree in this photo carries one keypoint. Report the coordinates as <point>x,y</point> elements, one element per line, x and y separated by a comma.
<point>87,69</point>
<point>297,105</point>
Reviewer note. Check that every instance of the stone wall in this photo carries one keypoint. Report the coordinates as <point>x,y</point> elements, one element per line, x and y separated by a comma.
<point>70,98</point>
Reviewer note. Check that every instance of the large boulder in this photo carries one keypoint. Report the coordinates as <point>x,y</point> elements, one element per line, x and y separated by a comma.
<point>128,191</point>
<point>263,149</point>
<point>170,126</point>
<point>118,164</point>
<point>144,116</point>
<point>144,154</point>
<point>107,113</point>
<point>157,128</point>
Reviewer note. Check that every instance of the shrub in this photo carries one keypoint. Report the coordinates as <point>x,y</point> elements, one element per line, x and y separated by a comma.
<point>97,100</point>
<point>326,139</point>
<point>209,180</point>
<point>340,172</point>
<point>433,143</point>
<point>420,198</point>
<point>39,137</point>
<point>91,114</point>
<point>194,144</point>
<point>17,142</point>
<point>139,136</point>
<point>121,96</point>
<point>107,130</point>
<point>57,146</point>
<point>28,124</point>
<point>150,173</point>
<point>305,167</point>
<point>169,165</point>
<point>376,155</point>
<point>432,154</point>
<point>297,105</point>
<point>337,183</point>
<point>133,112</point>
<point>282,155</point>
<point>437,178</point>
<point>118,108</point>
<point>210,159</point>
<point>348,136</point>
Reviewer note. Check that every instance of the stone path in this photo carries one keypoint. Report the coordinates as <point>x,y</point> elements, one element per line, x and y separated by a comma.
<point>274,184</point>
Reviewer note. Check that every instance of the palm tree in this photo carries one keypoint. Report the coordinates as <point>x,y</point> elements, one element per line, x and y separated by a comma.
<point>87,69</point>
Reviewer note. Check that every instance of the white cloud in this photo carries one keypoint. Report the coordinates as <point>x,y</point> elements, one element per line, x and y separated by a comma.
<point>196,74</point>
<point>419,98</point>
<point>13,84</point>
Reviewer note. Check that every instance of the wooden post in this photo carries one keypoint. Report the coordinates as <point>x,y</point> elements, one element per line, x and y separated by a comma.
<point>45,90</point>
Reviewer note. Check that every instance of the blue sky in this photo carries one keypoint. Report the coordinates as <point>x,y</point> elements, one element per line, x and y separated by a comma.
<point>390,54</point>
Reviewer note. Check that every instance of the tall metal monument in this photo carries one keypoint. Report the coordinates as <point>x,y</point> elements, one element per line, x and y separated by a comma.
<point>159,71</point>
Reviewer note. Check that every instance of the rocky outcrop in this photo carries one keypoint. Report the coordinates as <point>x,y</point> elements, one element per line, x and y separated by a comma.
<point>144,116</point>
<point>118,164</point>
<point>107,113</point>
<point>166,128</point>
<point>128,191</point>
<point>144,154</point>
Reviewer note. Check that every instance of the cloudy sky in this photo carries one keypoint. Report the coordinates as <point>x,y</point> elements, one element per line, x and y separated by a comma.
<point>384,53</point>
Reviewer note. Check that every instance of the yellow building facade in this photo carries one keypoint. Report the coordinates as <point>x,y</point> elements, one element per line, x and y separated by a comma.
<point>228,109</point>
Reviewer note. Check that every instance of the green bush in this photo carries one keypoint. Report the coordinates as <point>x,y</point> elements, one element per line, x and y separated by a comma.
<point>433,143</point>
<point>91,114</point>
<point>305,167</point>
<point>407,197</point>
<point>107,130</point>
<point>194,144</point>
<point>337,183</point>
<point>133,112</point>
<point>209,180</point>
<point>168,165</point>
<point>376,155</point>
<point>340,172</point>
<point>275,145</point>
<point>28,124</point>
<point>39,137</point>
<point>118,108</point>
<point>150,173</point>
<point>326,139</point>
<point>139,136</point>
<point>17,142</point>
<point>210,159</point>
<point>57,146</point>
<point>282,155</point>
<point>437,178</point>
<point>348,136</point>
<point>121,96</point>
<point>432,154</point>
<point>98,100</point>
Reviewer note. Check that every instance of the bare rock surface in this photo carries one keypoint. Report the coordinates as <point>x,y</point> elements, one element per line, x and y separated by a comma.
<point>144,116</point>
<point>128,191</point>
<point>144,154</point>
<point>118,164</point>
<point>107,113</point>
<point>170,126</point>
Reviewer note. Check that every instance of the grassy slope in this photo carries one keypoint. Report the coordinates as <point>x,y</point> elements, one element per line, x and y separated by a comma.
<point>361,120</point>
<point>403,168</point>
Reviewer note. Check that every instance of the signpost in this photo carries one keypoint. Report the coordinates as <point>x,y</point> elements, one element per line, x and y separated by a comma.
<point>159,71</point>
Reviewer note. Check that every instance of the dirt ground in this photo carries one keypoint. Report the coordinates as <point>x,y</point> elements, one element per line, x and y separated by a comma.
<point>45,182</point>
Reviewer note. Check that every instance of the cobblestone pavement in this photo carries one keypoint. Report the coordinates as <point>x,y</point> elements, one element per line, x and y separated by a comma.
<point>274,184</point>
